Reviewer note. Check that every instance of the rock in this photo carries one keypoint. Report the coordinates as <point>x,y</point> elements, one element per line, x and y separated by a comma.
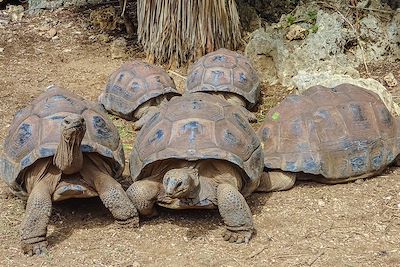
<point>104,38</point>
<point>51,33</point>
<point>296,32</point>
<point>320,51</point>
<point>334,48</point>
<point>15,12</point>
<point>390,79</point>
<point>305,80</point>
<point>118,48</point>
<point>1,49</point>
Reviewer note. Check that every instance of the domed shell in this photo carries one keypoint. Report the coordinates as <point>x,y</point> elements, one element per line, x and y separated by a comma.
<point>35,133</point>
<point>133,84</point>
<point>339,133</point>
<point>225,71</point>
<point>199,126</point>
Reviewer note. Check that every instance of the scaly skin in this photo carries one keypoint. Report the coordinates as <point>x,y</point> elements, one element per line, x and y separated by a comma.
<point>236,214</point>
<point>143,195</point>
<point>110,191</point>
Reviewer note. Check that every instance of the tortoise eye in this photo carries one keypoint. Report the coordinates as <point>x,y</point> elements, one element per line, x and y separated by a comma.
<point>67,121</point>
<point>179,184</point>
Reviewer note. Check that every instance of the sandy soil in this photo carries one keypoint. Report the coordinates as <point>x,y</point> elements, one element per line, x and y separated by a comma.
<point>356,224</point>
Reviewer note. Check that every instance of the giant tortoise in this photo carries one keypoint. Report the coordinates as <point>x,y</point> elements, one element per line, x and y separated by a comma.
<point>330,135</point>
<point>198,151</point>
<point>134,91</point>
<point>227,74</point>
<point>61,147</point>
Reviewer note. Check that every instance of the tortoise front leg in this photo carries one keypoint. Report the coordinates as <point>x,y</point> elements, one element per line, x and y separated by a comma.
<point>34,224</point>
<point>236,214</point>
<point>144,194</point>
<point>110,192</point>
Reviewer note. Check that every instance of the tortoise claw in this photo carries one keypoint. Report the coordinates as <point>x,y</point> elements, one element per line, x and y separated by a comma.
<point>129,223</point>
<point>38,248</point>
<point>241,236</point>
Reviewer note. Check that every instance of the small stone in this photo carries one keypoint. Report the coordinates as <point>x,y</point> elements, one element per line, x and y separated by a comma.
<point>296,32</point>
<point>118,48</point>
<point>104,38</point>
<point>321,202</point>
<point>390,79</point>
<point>1,49</point>
<point>67,50</point>
<point>55,38</point>
<point>51,33</point>
<point>359,181</point>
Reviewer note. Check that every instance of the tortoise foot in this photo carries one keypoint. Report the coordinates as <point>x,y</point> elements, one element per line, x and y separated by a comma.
<point>241,236</point>
<point>38,248</point>
<point>129,223</point>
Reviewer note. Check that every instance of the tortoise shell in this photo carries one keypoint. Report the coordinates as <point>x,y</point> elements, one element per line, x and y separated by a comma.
<point>199,126</point>
<point>342,132</point>
<point>133,84</point>
<point>224,71</point>
<point>35,133</point>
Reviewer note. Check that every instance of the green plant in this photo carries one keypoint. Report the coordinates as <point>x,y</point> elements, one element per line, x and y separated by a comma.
<point>314,28</point>
<point>312,16</point>
<point>290,20</point>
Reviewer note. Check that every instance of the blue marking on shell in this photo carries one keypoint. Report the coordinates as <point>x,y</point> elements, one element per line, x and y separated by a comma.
<point>291,166</point>
<point>158,136</point>
<point>216,75</point>
<point>135,86</point>
<point>102,130</point>
<point>24,133</point>
<point>386,117</point>
<point>57,118</point>
<point>219,58</point>
<point>358,164</point>
<point>323,113</point>
<point>357,112</point>
<point>108,153</point>
<point>230,138</point>
<point>242,78</point>
<point>87,148</point>
<point>196,104</point>
<point>26,161</point>
<point>242,123</point>
<point>118,90</point>
<point>304,146</point>
<point>377,161</point>
<point>390,156</point>
<point>194,127</point>
<point>265,134</point>
<point>311,166</point>
<point>296,128</point>
<point>46,152</point>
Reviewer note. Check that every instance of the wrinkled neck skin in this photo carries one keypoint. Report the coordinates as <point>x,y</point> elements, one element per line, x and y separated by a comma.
<point>148,106</point>
<point>69,157</point>
<point>232,99</point>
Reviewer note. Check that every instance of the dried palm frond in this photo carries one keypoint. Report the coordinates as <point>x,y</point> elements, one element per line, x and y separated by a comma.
<point>180,30</point>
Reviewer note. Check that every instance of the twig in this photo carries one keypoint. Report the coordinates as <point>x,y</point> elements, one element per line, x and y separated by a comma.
<point>316,258</point>
<point>177,74</point>
<point>257,252</point>
<point>373,9</point>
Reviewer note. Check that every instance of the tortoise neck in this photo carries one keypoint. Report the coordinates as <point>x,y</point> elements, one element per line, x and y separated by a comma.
<point>69,157</point>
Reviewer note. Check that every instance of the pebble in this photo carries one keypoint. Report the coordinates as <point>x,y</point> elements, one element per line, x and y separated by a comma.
<point>51,33</point>
<point>390,79</point>
<point>118,48</point>
<point>1,49</point>
<point>296,32</point>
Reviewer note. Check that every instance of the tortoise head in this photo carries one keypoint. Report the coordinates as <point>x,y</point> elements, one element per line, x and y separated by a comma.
<point>73,127</point>
<point>180,183</point>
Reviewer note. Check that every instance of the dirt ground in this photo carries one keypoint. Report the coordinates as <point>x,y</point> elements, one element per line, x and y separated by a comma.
<point>355,224</point>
